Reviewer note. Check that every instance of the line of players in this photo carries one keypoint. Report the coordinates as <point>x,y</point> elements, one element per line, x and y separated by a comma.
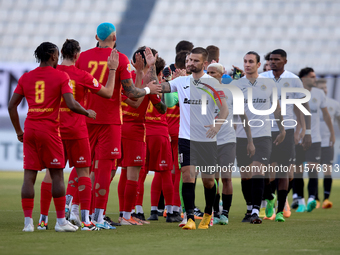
<point>145,134</point>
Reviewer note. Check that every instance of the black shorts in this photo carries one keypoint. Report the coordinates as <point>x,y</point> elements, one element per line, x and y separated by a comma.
<point>263,148</point>
<point>226,154</point>
<point>282,153</point>
<point>313,154</point>
<point>327,155</point>
<point>202,154</point>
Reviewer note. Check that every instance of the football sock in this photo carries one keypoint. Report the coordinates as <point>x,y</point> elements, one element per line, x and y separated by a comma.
<point>188,191</point>
<point>273,185</point>
<point>84,191</point>
<point>181,194</point>
<point>27,206</point>
<point>85,216</point>
<point>72,186</point>
<point>43,218</point>
<point>167,187</point>
<point>102,182</point>
<point>281,200</point>
<point>298,185</point>
<point>209,195</point>
<point>327,185</point>
<point>156,188</point>
<point>176,180</point>
<point>121,188</point>
<point>99,215</point>
<point>161,204</point>
<point>45,197</point>
<point>312,187</point>
<point>175,208</point>
<point>169,209</point>
<point>129,196</point>
<point>246,190</point>
<point>140,190</point>
<point>139,209</point>
<point>226,199</point>
<point>59,203</point>
<point>75,209</point>
<point>257,192</point>
<point>268,191</point>
<point>290,185</point>
<point>217,203</point>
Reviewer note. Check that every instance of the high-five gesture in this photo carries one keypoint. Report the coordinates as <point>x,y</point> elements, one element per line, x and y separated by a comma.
<point>113,60</point>
<point>139,64</point>
<point>149,57</point>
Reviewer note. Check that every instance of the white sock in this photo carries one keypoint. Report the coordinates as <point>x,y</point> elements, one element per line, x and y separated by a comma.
<point>75,209</point>
<point>175,208</point>
<point>255,211</point>
<point>85,216</point>
<point>295,196</point>
<point>310,199</point>
<point>169,209</point>
<point>43,218</point>
<point>28,220</point>
<point>263,204</point>
<point>249,207</point>
<point>99,215</point>
<point>139,209</point>
<point>127,215</point>
<point>133,210</point>
<point>61,221</point>
<point>302,201</point>
<point>154,208</point>
<point>69,199</point>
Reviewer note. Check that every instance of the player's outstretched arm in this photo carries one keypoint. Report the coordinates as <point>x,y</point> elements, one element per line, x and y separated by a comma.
<point>328,121</point>
<point>161,107</point>
<point>76,107</point>
<point>112,64</point>
<point>13,114</point>
<point>132,92</point>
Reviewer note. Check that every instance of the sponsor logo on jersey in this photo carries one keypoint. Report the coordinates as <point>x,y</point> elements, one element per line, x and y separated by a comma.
<point>263,87</point>
<point>115,151</point>
<point>55,162</point>
<point>70,84</point>
<point>314,100</point>
<point>163,163</point>
<point>185,87</point>
<point>95,83</point>
<point>286,85</point>
<point>128,68</point>
<point>138,159</point>
<point>81,160</point>
<point>188,101</point>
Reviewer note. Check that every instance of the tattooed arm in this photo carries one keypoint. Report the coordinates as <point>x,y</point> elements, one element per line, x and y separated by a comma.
<point>132,92</point>
<point>161,107</point>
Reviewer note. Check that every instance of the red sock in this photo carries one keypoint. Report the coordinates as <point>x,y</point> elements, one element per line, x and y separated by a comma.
<point>130,195</point>
<point>59,203</point>
<point>84,192</point>
<point>156,188</point>
<point>140,190</point>
<point>45,197</point>
<point>167,187</point>
<point>72,186</point>
<point>27,206</point>
<point>102,182</point>
<point>93,200</point>
<point>107,197</point>
<point>176,198</point>
<point>121,189</point>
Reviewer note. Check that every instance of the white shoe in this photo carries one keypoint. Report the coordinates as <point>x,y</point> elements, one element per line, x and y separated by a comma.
<point>68,227</point>
<point>29,227</point>
<point>74,219</point>
<point>184,221</point>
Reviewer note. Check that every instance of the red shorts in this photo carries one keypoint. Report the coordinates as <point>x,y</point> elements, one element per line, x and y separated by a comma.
<point>158,153</point>
<point>174,147</point>
<point>133,153</point>
<point>105,141</point>
<point>77,152</point>
<point>42,150</point>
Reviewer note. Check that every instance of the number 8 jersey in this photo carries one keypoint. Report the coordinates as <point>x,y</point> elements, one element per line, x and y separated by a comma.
<point>43,88</point>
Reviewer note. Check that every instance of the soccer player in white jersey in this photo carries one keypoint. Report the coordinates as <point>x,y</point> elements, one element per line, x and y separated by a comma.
<point>252,181</point>
<point>226,149</point>
<point>327,151</point>
<point>197,141</point>
<point>312,156</point>
<point>281,154</point>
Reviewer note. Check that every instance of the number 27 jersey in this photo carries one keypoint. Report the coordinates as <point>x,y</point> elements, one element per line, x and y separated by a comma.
<point>43,88</point>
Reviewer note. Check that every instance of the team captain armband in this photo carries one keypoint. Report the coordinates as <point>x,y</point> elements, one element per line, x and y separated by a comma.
<point>220,93</point>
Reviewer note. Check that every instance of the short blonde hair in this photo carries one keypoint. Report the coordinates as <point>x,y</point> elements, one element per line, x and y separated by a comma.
<point>218,66</point>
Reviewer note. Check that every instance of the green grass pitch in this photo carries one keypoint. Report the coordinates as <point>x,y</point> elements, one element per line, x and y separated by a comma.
<point>303,233</point>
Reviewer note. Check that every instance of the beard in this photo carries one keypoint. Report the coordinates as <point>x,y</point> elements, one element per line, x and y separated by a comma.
<point>195,69</point>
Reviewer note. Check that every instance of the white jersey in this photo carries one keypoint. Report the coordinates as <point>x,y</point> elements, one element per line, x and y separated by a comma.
<point>227,132</point>
<point>333,107</point>
<point>190,95</point>
<point>287,80</point>
<point>316,103</point>
<point>262,96</point>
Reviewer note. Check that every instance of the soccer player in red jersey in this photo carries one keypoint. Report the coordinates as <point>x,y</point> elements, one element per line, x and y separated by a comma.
<point>43,89</point>
<point>133,143</point>
<point>105,131</point>
<point>75,136</point>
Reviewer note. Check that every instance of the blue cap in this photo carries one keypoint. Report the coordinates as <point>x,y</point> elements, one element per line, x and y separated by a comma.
<point>104,30</point>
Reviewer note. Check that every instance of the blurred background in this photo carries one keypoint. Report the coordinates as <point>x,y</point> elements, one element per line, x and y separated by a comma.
<point>306,29</point>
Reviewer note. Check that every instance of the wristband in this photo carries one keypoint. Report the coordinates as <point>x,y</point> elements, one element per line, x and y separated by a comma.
<point>147,90</point>
<point>308,132</point>
<point>112,69</point>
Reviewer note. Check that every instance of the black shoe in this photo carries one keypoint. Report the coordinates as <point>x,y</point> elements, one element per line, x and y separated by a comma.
<point>112,223</point>
<point>246,218</point>
<point>169,217</point>
<point>140,216</point>
<point>160,212</point>
<point>295,203</point>
<point>153,215</point>
<point>197,212</point>
<point>255,219</point>
<point>177,217</point>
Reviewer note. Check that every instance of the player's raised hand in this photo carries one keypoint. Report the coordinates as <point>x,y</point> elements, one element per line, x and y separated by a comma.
<point>238,69</point>
<point>154,87</point>
<point>113,60</point>
<point>178,73</point>
<point>149,57</point>
<point>91,114</point>
<point>139,64</point>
